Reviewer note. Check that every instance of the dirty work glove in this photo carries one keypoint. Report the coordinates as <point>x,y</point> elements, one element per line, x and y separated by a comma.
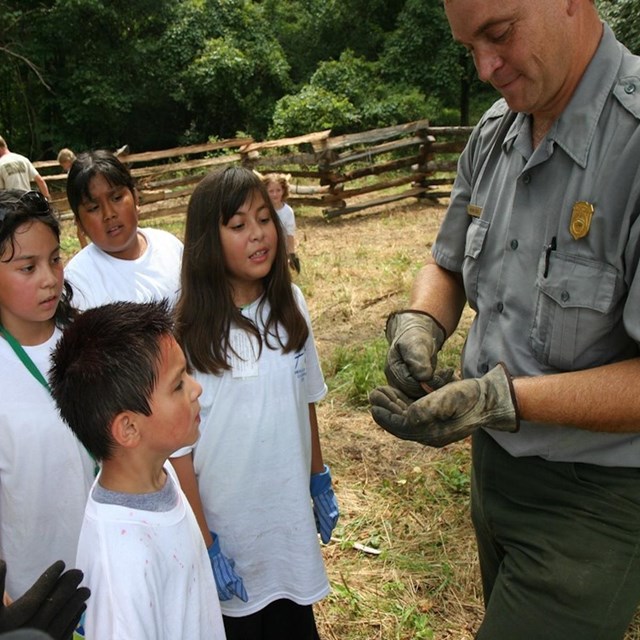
<point>294,262</point>
<point>325,505</point>
<point>228,582</point>
<point>414,338</point>
<point>53,604</point>
<point>451,413</point>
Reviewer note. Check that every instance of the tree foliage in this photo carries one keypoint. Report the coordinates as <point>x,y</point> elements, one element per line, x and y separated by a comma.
<point>160,73</point>
<point>347,95</point>
<point>622,15</point>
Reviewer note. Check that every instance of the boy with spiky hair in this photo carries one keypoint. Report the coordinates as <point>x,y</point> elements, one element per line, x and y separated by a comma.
<point>120,381</point>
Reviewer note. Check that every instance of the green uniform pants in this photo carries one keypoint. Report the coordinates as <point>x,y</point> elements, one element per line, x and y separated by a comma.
<point>559,546</point>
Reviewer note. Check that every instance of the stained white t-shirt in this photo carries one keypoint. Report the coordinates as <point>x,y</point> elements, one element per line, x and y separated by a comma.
<point>45,473</point>
<point>253,462</point>
<point>149,574</point>
<point>98,278</point>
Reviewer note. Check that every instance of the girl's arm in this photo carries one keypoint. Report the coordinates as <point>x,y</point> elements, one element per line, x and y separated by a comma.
<point>187,475</point>
<point>317,463</point>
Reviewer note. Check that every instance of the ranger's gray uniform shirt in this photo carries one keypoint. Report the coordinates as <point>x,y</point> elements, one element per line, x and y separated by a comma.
<point>545,301</point>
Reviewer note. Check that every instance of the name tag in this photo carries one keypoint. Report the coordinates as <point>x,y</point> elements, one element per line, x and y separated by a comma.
<point>474,210</point>
<point>244,363</point>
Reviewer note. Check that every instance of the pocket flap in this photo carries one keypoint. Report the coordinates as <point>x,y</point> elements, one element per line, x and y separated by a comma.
<point>573,281</point>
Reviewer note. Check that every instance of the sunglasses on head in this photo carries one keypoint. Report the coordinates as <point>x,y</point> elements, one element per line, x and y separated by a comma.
<point>33,201</point>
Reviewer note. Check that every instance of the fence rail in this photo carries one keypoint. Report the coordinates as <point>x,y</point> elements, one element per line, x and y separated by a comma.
<point>339,174</point>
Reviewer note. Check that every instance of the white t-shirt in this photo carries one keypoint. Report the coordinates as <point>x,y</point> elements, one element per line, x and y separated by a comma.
<point>45,473</point>
<point>288,220</point>
<point>253,462</point>
<point>98,278</point>
<point>149,574</point>
<point>16,172</point>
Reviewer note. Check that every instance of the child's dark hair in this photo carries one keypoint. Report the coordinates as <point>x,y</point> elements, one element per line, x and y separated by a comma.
<point>95,163</point>
<point>18,207</point>
<point>107,362</point>
<point>206,310</point>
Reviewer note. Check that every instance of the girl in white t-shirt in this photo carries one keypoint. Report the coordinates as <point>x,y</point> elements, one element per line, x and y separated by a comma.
<point>262,484</point>
<point>278,189</point>
<point>123,262</point>
<point>45,474</point>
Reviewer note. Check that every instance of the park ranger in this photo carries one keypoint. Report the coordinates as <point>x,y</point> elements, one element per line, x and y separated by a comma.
<point>542,240</point>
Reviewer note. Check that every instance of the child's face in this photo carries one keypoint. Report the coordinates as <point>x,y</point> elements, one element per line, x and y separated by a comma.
<point>175,409</point>
<point>249,244</point>
<point>276,193</point>
<point>30,283</point>
<point>110,218</point>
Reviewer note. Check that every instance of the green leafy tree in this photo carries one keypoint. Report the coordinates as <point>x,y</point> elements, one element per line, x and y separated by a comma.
<point>237,71</point>
<point>315,31</point>
<point>347,95</point>
<point>622,15</point>
<point>421,52</point>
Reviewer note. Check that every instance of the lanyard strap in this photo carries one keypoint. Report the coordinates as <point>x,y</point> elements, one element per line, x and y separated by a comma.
<point>35,372</point>
<point>24,358</point>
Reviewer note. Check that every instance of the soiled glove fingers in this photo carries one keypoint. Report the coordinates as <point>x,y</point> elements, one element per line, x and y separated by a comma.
<point>415,338</point>
<point>325,505</point>
<point>64,607</point>
<point>228,582</point>
<point>53,604</point>
<point>451,413</point>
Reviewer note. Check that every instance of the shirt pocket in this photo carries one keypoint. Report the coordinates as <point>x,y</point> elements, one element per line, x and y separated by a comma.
<point>474,242</point>
<point>576,311</point>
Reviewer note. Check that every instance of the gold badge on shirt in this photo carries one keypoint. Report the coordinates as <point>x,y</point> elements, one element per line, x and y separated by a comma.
<point>581,219</point>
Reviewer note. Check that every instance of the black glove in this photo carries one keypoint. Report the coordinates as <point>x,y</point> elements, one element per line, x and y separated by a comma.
<point>53,604</point>
<point>294,262</point>
<point>415,338</point>
<point>451,413</point>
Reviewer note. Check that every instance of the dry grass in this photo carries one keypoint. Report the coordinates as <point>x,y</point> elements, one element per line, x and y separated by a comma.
<point>408,501</point>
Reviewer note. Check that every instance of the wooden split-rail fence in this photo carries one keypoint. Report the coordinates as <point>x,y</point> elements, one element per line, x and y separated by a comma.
<point>338,174</point>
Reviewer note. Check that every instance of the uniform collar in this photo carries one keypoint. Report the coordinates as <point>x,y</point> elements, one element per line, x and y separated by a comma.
<point>575,128</point>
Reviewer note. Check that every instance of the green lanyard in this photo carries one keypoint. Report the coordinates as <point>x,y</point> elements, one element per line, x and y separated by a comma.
<point>35,372</point>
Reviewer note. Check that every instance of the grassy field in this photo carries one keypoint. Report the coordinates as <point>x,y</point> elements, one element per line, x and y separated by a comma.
<point>402,563</point>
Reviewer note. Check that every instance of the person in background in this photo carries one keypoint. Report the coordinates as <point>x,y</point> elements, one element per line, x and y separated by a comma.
<point>17,172</point>
<point>45,474</point>
<point>278,189</point>
<point>120,381</point>
<point>65,159</point>
<point>542,239</point>
<point>123,261</point>
<point>256,477</point>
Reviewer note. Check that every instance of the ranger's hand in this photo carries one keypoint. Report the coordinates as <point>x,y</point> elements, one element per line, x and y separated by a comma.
<point>53,604</point>
<point>451,413</point>
<point>415,338</point>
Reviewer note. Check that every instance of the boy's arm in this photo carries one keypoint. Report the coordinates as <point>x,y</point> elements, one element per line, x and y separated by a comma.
<point>42,185</point>
<point>187,476</point>
<point>228,583</point>
<point>325,505</point>
<point>317,463</point>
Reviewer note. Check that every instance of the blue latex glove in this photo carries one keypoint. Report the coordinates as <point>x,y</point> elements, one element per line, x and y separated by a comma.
<point>325,505</point>
<point>228,582</point>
